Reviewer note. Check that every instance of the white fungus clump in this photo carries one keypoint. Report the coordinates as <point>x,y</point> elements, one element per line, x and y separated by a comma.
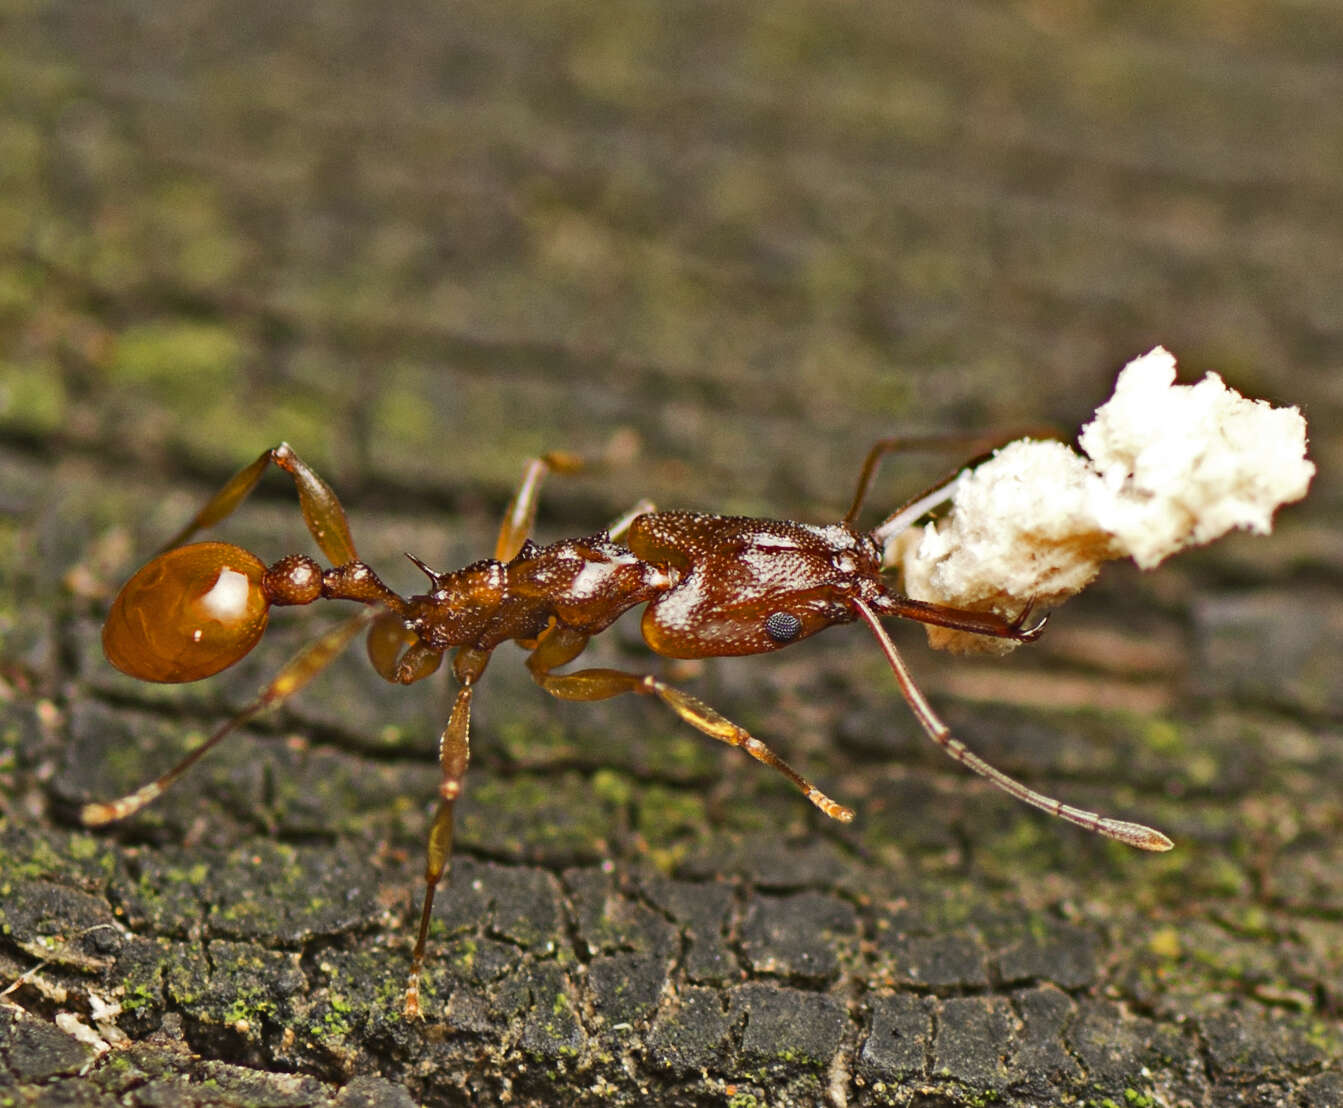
<point>1170,466</point>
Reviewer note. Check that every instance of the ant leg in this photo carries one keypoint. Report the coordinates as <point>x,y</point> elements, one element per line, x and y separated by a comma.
<point>321,509</point>
<point>1134,834</point>
<point>399,655</point>
<point>454,752</point>
<point>560,646</point>
<point>297,672</point>
<point>520,514</point>
<point>621,524</point>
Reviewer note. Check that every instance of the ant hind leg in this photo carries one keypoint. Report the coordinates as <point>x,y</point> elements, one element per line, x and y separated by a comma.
<point>322,511</point>
<point>297,672</point>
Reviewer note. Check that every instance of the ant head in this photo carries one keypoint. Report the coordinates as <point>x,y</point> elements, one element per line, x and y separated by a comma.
<point>189,613</point>
<point>748,586</point>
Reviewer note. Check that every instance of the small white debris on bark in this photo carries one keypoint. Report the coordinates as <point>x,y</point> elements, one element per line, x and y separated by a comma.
<point>1166,467</point>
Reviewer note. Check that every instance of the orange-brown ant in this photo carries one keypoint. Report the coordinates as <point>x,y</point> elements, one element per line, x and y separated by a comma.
<point>713,585</point>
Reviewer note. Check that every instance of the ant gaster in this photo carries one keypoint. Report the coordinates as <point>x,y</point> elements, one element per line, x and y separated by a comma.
<point>713,585</point>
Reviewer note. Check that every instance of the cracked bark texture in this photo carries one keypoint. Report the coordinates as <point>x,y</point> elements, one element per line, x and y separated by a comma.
<point>730,246</point>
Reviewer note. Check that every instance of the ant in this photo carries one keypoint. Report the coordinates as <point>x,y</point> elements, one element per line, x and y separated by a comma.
<point>713,585</point>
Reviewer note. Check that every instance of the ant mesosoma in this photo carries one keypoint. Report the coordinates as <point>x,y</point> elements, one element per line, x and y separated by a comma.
<point>713,585</point>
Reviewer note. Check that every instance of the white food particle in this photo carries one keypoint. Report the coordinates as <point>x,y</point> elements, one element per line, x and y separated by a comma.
<point>1168,467</point>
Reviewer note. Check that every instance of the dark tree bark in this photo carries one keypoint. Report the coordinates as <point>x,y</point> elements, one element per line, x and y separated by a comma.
<point>724,250</point>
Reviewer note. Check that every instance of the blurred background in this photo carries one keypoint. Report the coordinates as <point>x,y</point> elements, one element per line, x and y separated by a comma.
<point>722,249</point>
<point>423,241</point>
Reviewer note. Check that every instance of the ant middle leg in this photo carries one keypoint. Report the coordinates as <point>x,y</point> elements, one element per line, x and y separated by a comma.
<point>520,515</point>
<point>559,646</point>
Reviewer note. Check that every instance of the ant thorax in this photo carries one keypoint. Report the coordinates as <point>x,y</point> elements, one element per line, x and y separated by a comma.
<point>462,605</point>
<point>582,584</point>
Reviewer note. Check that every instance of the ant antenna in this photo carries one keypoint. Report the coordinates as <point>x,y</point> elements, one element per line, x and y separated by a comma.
<point>1134,834</point>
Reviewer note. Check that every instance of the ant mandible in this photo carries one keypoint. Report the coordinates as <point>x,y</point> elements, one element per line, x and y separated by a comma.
<point>713,585</point>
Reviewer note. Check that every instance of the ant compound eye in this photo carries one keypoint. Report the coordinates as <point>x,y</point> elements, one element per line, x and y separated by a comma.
<point>783,627</point>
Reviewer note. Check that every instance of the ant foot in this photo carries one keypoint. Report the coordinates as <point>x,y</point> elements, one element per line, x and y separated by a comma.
<point>1021,632</point>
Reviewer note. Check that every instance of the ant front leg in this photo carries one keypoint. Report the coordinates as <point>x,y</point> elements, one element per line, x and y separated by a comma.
<point>621,524</point>
<point>560,645</point>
